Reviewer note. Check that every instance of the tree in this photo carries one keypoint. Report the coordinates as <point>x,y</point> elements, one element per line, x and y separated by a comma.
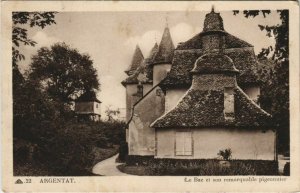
<point>63,72</point>
<point>19,33</point>
<point>275,88</point>
<point>21,20</point>
<point>111,113</point>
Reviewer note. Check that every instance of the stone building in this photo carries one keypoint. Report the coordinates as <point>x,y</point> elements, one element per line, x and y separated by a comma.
<point>198,99</point>
<point>87,107</point>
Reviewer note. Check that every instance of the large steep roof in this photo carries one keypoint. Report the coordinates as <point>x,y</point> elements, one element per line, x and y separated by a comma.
<point>205,108</point>
<point>165,49</point>
<point>136,61</point>
<point>230,42</point>
<point>186,54</point>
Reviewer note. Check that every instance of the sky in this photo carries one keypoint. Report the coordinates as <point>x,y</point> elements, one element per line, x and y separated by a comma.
<point>110,39</point>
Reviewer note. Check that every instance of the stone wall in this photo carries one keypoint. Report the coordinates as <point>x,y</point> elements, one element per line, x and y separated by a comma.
<point>131,98</point>
<point>213,41</point>
<point>213,81</point>
<point>130,90</point>
<point>160,72</point>
<point>172,97</point>
<point>245,143</point>
<point>141,137</point>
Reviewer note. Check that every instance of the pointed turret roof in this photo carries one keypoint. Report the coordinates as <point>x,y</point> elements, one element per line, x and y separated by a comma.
<point>144,72</point>
<point>153,53</point>
<point>137,59</point>
<point>166,48</point>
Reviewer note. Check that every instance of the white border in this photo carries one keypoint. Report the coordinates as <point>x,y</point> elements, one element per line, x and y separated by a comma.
<point>137,183</point>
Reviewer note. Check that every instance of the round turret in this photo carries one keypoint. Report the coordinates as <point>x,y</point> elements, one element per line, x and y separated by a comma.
<point>213,22</point>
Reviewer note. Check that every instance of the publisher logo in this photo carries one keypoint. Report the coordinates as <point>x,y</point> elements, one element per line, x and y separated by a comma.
<point>19,181</point>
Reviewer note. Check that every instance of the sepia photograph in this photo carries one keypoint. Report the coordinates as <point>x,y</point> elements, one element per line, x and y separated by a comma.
<point>145,93</point>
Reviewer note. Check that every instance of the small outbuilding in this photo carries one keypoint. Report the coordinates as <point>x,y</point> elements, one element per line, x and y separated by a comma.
<point>87,107</point>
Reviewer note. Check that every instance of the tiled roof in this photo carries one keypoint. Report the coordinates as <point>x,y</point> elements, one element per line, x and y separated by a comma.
<point>136,61</point>
<point>196,42</point>
<point>165,49</point>
<point>205,108</point>
<point>144,73</point>
<point>184,60</point>
<point>213,22</point>
<point>88,96</point>
<point>214,63</point>
<point>152,54</point>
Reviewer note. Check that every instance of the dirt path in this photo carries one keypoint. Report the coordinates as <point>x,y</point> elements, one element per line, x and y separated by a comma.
<point>108,167</point>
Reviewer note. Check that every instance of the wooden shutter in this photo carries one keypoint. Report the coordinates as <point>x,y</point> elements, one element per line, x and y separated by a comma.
<point>184,143</point>
<point>229,103</point>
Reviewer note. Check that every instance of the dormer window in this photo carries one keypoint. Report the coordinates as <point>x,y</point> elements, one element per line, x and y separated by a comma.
<point>229,103</point>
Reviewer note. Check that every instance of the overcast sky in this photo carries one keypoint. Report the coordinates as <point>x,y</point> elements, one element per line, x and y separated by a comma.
<point>110,39</point>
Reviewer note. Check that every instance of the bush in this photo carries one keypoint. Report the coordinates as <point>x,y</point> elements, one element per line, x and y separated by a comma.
<point>286,169</point>
<point>123,151</point>
<point>69,148</point>
<point>225,154</point>
<point>133,160</point>
<point>210,167</point>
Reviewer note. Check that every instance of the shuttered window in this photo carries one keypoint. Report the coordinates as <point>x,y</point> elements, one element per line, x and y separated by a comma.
<point>229,103</point>
<point>184,143</point>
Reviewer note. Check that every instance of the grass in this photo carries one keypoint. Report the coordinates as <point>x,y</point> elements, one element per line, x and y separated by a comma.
<point>200,168</point>
<point>134,170</point>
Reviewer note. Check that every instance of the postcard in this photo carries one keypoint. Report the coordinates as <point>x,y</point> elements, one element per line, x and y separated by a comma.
<point>150,96</point>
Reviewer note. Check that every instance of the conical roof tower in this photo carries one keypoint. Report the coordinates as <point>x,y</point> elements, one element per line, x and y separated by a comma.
<point>153,53</point>
<point>137,59</point>
<point>166,48</point>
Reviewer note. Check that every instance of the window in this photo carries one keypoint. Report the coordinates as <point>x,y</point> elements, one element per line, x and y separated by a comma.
<point>96,106</point>
<point>183,144</point>
<point>139,90</point>
<point>229,103</point>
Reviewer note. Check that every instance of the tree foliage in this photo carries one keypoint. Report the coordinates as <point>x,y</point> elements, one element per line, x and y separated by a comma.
<point>225,154</point>
<point>111,113</point>
<point>274,73</point>
<point>21,20</point>
<point>63,72</point>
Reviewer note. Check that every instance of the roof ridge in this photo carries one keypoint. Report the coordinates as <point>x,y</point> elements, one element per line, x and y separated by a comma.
<point>167,112</point>
<point>252,102</point>
<point>132,109</point>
